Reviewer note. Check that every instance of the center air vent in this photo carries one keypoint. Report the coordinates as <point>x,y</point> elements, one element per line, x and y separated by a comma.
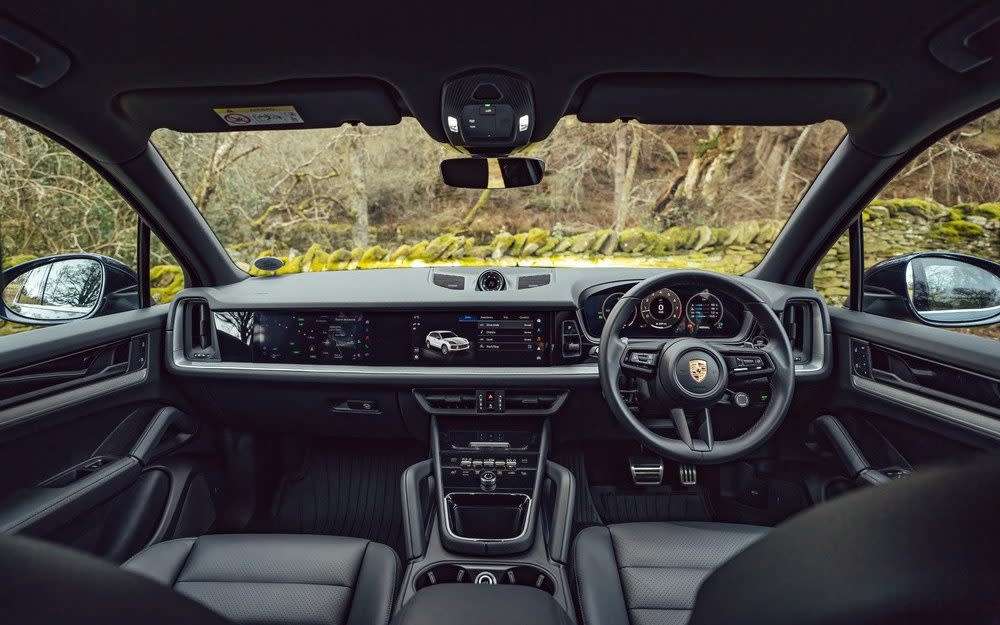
<point>491,280</point>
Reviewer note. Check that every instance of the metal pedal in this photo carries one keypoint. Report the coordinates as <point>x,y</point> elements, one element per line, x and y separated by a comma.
<point>689,474</point>
<point>646,471</point>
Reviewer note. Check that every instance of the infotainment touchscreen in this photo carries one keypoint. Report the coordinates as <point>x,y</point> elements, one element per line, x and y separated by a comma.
<point>312,338</point>
<point>480,338</point>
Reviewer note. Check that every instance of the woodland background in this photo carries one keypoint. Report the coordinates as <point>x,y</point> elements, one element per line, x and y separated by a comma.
<point>713,197</point>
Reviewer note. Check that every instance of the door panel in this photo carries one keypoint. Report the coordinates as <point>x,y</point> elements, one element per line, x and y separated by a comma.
<point>80,422</point>
<point>932,394</point>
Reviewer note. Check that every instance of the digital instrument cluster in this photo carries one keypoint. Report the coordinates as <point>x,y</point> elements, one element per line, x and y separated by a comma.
<point>684,310</point>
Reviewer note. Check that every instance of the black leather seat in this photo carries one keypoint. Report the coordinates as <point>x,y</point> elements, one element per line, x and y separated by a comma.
<point>649,573</point>
<point>275,578</point>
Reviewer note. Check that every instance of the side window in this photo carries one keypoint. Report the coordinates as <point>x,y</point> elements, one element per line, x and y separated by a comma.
<point>947,200</point>
<point>68,240</point>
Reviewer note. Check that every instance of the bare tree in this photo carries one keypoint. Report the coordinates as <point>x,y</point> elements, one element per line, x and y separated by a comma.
<point>359,199</point>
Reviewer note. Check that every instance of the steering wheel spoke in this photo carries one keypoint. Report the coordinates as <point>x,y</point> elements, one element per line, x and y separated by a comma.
<point>702,439</point>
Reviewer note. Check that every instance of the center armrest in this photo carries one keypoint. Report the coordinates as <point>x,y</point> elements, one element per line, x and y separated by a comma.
<point>461,604</point>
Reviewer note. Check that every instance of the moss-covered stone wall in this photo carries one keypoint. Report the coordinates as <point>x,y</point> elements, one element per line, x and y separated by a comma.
<point>892,227</point>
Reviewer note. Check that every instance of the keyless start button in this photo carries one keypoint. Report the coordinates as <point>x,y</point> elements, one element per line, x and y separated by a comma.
<point>486,578</point>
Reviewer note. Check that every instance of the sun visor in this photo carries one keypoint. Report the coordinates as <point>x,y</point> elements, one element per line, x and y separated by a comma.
<point>673,99</point>
<point>285,105</point>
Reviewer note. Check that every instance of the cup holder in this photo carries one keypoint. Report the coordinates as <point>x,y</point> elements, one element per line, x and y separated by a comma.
<point>518,575</point>
<point>487,516</point>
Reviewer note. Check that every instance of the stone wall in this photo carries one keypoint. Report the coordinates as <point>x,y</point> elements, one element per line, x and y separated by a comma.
<point>892,227</point>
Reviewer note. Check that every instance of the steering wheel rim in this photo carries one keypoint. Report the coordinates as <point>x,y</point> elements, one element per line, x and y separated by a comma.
<point>776,356</point>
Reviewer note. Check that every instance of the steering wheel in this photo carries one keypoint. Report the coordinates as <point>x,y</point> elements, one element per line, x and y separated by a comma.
<point>686,376</point>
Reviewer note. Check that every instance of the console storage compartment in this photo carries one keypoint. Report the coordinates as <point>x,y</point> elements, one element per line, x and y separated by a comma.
<point>487,516</point>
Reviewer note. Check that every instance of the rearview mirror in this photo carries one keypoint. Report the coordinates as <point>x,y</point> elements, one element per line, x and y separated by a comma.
<point>58,289</point>
<point>938,289</point>
<point>492,173</point>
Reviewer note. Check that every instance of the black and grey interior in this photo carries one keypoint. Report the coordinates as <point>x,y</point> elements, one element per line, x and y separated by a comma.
<point>610,472</point>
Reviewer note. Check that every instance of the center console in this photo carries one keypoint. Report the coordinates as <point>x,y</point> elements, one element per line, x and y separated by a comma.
<point>488,480</point>
<point>488,507</point>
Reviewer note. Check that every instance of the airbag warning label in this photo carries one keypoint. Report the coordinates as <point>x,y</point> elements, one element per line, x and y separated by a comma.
<point>259,115</point>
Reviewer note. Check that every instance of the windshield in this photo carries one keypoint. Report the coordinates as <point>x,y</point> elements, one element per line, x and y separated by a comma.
<point>623,194</point>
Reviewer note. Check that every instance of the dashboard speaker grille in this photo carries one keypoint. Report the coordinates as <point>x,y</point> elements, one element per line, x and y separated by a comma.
<point>532,281</point>
<point>449,281</point>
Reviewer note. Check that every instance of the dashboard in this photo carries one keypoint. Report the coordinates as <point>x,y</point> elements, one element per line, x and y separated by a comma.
<point>539,326</point>
<point>682,310</point>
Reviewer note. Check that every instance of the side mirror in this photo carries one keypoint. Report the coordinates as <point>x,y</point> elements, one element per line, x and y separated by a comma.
<point>935,288</point>
<point>57,289</point>
<point>492,173</point>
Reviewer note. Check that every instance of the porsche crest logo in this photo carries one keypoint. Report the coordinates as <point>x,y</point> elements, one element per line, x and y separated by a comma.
<point>699,369</point>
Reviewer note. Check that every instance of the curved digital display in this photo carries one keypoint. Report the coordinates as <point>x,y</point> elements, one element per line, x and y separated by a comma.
<point>431,338</point>
<point>681,310</point>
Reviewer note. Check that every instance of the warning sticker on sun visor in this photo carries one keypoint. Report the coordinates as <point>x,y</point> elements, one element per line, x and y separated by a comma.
<point>259,116</point>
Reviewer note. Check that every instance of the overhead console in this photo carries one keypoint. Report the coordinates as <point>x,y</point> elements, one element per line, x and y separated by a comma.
<point>488,113</point>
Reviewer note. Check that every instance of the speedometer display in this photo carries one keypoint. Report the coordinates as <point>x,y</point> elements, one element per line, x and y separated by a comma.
<point>661,309</point>
<point>704,311</point>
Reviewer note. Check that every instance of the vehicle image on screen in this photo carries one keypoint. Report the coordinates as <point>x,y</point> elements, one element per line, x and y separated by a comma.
<point>446,341</point>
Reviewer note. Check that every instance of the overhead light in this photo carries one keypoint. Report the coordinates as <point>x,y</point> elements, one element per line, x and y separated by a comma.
<point>522,123</point>
<point>452,124</point>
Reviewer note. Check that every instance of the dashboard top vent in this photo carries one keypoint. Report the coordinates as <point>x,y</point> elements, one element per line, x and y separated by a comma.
<point>449,281</point>
<point>491,280</point>
<point>534,280</point>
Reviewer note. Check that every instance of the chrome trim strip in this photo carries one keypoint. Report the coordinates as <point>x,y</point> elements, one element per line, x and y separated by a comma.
<point>582,371</point>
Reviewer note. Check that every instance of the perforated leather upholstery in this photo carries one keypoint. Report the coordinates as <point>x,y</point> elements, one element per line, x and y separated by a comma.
<point>280,579</point>
<point>649,573</point>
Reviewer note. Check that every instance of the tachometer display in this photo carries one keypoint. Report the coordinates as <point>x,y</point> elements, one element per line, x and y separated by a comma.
<point>609,304</point>
<point>704,311</point>
<point>661,309</point>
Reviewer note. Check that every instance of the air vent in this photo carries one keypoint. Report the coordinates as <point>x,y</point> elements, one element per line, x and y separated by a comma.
<point>532,281</point>
<point>451,400</point>
<point>797,322</point>
<point>533,401</point>
<point>449,281</point>
<point>491,280</point>
<point>200,342</point>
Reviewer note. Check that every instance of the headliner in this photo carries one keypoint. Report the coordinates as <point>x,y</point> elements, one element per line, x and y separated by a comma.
<point>875,54</point>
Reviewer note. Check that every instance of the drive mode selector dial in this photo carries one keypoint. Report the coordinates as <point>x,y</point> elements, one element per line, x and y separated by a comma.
<point>661,309</point>
<point>488,481</point>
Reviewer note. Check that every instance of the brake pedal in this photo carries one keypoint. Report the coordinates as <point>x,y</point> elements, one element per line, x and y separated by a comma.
<point>688,474</point>
<point>646,471</point>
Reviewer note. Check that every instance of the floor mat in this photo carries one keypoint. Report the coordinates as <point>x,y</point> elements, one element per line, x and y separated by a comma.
<point>346,491</point>
<point>584,512</point>
<point>654,504</point>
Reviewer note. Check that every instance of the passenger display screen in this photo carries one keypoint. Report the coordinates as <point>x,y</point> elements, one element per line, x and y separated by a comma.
<point>476,339</point>
<point>312,338</point>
